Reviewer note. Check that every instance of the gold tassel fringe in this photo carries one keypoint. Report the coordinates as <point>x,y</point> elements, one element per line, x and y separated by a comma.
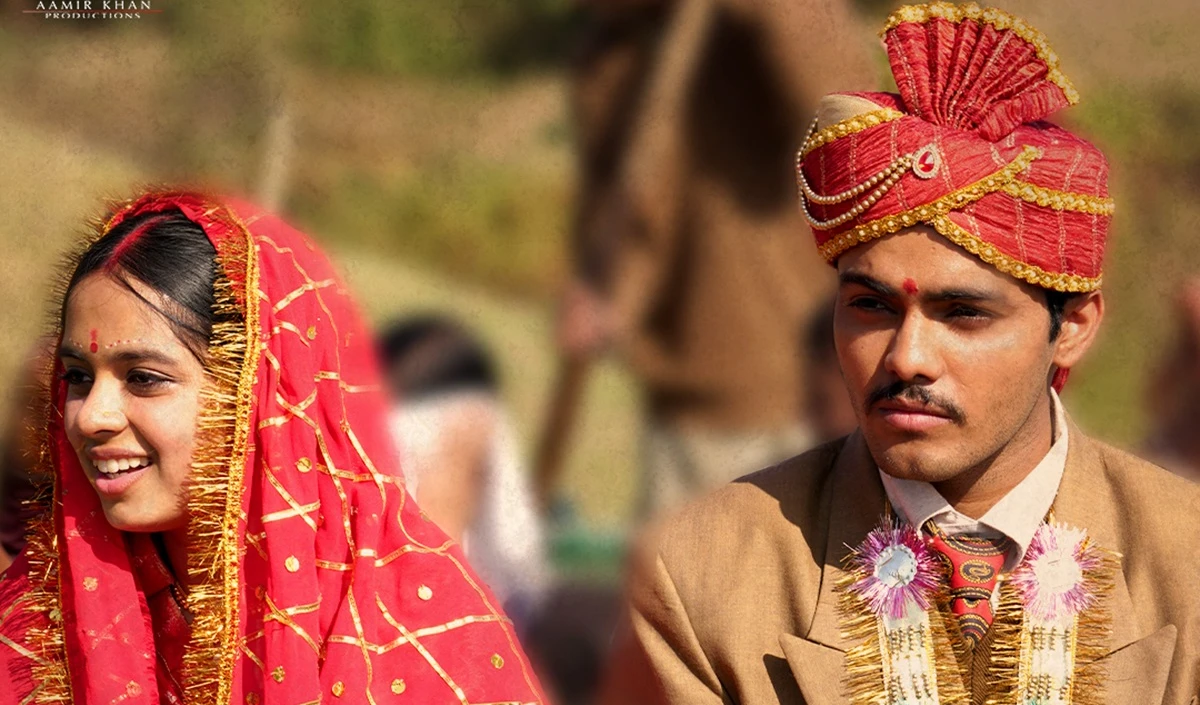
<point>863,683</point>
<point>1008,643</point>
<point>1095,630</point>
<point>51,671</point>
<point>215,501</point>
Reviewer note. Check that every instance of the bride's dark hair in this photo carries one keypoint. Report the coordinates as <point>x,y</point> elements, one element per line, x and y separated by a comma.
<point>168,254</point>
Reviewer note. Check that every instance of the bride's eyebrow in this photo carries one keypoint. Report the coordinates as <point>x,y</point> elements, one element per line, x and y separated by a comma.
<point>71,351</point>
<point>144,355</point>
<point>68,350</point>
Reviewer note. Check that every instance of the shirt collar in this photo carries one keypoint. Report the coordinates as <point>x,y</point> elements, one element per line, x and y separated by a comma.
<point>1017,515</point>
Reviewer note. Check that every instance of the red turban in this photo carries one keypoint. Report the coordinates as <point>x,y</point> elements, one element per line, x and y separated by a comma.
<point>963,148</point>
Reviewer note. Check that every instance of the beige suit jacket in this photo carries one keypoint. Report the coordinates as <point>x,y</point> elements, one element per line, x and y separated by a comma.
<point>732,600</point>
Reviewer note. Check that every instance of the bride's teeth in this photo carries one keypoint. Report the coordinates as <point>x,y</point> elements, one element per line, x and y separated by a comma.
<point>112,467</point>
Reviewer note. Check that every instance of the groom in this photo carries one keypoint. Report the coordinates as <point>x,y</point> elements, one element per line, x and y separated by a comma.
<point>968,542</point>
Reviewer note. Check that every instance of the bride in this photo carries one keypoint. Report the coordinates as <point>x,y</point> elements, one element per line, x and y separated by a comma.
<point>227,523</point>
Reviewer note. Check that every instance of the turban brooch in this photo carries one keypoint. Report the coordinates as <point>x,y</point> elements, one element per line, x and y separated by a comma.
<point>963,148</point>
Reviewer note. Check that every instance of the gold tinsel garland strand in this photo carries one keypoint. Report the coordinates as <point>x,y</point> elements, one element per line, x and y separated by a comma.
<point>945,645</point>
<point>1008,643</point>
<point>864,683</point>
<point>1095,630</point>
<point>49,670</point>
<point>1092,632</point>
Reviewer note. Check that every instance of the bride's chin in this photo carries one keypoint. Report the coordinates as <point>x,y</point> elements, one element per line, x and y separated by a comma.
<point>129,519</point>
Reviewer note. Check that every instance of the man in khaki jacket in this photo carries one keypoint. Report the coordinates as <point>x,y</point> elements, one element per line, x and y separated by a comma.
<point>968,544</point>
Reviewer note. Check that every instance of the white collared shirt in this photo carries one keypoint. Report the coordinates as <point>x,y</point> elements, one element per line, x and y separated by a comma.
<point>1017,515</point>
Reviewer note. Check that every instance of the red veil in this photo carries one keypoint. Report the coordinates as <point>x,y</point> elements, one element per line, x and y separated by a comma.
<point>314,577</point>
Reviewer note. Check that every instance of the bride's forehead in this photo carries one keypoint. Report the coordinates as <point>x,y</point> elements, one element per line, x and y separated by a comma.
<point>103,309</point>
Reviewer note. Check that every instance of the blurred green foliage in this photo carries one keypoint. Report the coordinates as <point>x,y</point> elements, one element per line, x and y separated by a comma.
<point>496,224</point>
<point>390,102</point>
<point>436,37</point>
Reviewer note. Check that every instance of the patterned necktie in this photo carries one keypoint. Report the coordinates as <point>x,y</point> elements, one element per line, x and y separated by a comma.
<point>974,565</point>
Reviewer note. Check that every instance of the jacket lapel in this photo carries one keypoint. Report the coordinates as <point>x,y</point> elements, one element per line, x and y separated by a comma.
<point>854,502</point>
<point>1138,673</point>
<point>1136,668</point>
<point>1085,500</point>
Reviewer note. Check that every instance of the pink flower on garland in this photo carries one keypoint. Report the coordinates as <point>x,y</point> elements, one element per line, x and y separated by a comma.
<point>1053,577</point>
<point>898,571</point>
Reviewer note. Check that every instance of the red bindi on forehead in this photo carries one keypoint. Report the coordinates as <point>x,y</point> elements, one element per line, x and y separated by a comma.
<point>910,287</point>
<point>95,345</point>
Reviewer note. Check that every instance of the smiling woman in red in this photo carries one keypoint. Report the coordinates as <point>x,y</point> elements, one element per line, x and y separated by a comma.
<point>227,524</point>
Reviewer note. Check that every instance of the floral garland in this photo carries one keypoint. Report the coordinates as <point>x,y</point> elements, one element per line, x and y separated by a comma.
<point>1049,625</point>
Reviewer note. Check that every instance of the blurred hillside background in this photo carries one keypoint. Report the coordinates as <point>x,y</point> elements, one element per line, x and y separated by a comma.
<point>427,143</point>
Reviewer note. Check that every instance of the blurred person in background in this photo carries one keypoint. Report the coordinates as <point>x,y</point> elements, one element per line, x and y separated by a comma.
<point>570,638</point>
<point>826,404</point>
<point>1173,396</point>
<point>968,543</point>
<point>686,258</point>
<point>460,456</point>
<point>18,462</point>
<point>461,461</point>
